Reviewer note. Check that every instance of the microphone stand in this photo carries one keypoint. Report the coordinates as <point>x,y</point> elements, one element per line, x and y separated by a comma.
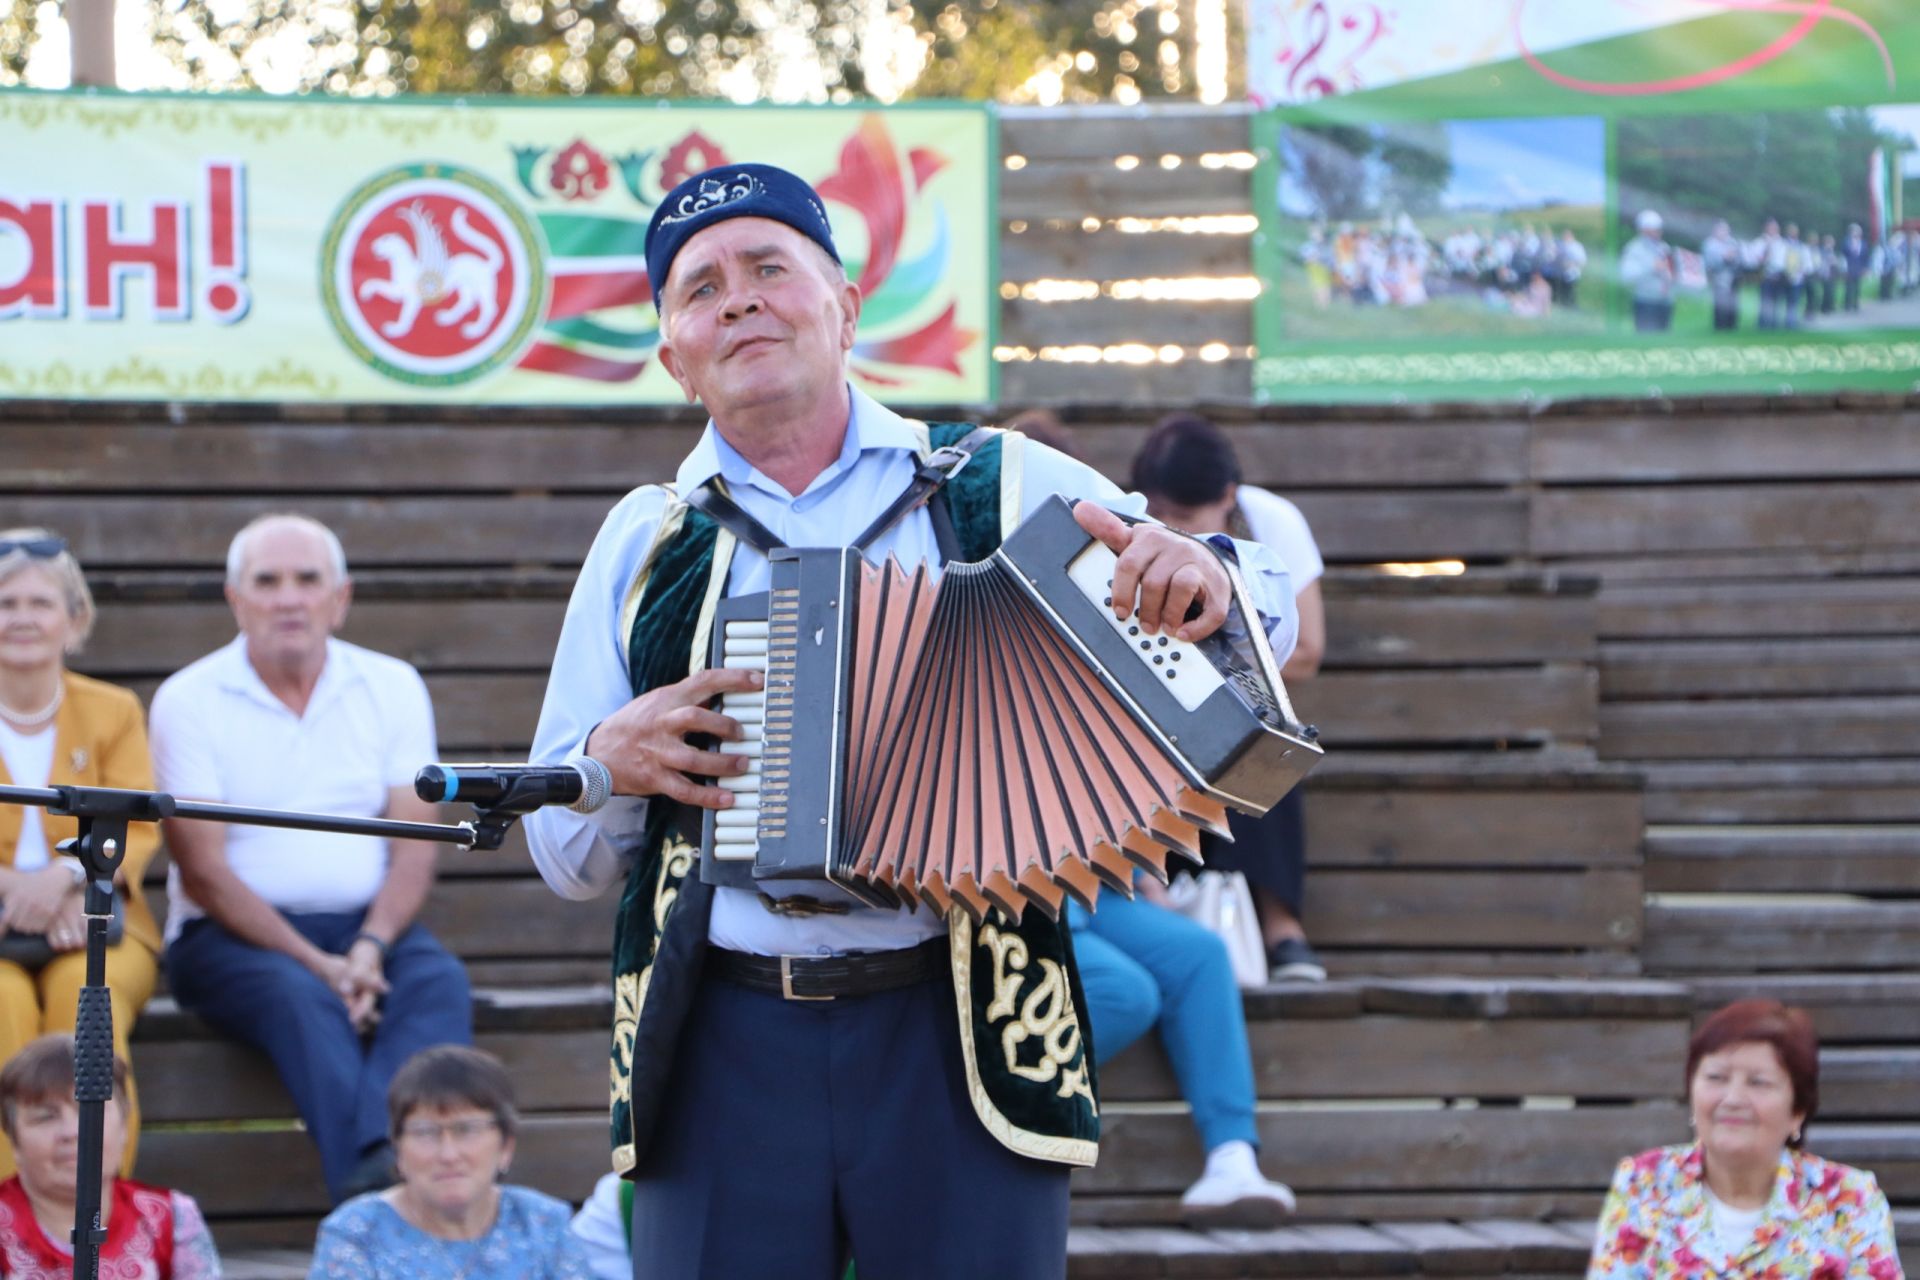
<point>103,814</point>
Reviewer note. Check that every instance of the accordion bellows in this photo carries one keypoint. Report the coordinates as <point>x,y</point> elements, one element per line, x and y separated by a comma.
<point>993,737</point>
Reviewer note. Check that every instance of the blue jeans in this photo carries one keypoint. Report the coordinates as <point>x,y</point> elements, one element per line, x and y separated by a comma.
<point>270,1001</point>
<point>1142,966</point>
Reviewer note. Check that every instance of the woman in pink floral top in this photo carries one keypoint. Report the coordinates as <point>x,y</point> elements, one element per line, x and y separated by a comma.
<point>1743,1200</point>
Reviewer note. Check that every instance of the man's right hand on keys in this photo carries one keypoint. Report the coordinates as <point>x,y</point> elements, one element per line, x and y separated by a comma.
<point>644,744</point>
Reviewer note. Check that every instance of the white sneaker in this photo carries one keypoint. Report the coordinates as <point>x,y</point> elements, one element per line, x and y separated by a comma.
<point>1234,1193</point>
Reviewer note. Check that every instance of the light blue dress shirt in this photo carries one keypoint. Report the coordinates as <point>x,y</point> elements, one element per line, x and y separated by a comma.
<point>577,854</point>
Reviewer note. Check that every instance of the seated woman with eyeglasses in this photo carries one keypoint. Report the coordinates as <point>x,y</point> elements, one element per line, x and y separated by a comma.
<point>449,1217</point>
<point>60,728</point>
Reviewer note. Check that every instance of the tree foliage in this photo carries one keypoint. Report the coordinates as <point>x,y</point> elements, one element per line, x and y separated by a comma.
<point>1804,167</point>
<point>760,50</point>
<point>1415,164</point>
<point>16,39</point>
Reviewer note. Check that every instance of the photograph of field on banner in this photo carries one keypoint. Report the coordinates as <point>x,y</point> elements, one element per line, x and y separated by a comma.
<point>1770,220</point>
<point>1483,228</point>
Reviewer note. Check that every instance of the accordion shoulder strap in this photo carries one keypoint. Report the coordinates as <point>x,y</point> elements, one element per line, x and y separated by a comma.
<point>932,472</point>
<point>935,470</point>
<point>713,499</point>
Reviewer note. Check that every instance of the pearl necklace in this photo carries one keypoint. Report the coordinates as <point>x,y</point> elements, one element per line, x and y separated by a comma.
<point>34,719</point>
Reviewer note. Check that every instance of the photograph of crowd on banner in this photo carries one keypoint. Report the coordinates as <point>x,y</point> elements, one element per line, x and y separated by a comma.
<point>1828,246</point>
<point>1447,228</point>
<point>1656,198</point>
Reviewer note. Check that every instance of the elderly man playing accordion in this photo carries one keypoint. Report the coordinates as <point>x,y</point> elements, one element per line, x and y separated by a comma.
<point>892,1116</point>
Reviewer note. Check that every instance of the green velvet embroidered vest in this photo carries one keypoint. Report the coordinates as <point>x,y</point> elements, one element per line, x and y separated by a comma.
<point>1021,1012</point>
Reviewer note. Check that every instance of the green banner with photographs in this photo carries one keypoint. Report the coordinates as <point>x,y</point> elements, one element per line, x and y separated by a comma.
<point>1663,197</point>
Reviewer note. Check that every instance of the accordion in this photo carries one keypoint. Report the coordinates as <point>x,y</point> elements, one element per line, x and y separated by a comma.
<point>994,737</point>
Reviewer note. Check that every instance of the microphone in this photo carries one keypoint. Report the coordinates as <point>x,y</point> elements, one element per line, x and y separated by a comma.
<point>582,784</point>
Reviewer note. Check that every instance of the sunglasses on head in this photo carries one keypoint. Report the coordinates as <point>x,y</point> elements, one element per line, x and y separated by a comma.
<point>38,548</point>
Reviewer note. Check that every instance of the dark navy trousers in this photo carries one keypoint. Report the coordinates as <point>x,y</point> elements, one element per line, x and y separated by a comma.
<point>268,1000</point>
<point>797,1135</point>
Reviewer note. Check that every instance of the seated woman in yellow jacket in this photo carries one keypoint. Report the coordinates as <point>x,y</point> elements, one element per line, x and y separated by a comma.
<point>57,727</point>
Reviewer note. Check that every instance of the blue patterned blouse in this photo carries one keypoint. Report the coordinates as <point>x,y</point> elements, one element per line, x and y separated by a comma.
<point>367,1239</point>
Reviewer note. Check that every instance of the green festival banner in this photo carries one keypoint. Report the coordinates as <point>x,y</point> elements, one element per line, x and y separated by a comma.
<point>1622,197</point>
<point>249,249</point>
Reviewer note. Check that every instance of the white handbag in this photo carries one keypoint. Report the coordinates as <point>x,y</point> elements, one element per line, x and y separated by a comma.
<point>1222,902</point>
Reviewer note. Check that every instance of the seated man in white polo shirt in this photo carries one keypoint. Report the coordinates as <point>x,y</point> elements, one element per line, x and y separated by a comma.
<point>300,943</point>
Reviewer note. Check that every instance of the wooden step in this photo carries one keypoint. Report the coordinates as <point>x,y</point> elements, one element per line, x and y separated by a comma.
<point>1441,1038</point>
<point>1841,606</point>
<point>1706,936</point>
<point>1387,1147</point>
<point>1784,791</point>
<point>1847,1008</point>
<point>1492,1247</point>
<point>1864,859</point>
<point>1791,727</point>
<point>1757,668</point>
<point>1870,1083</point>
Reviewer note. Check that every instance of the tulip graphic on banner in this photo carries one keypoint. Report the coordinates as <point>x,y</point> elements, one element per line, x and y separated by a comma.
<point>600,323</point>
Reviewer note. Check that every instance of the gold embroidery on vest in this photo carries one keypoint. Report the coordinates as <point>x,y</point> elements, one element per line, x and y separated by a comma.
<point>626,1025</point>
<point>630,989</point>
<point>1046,1013</point>
<point>1007,948</point>
<point>675,861</point>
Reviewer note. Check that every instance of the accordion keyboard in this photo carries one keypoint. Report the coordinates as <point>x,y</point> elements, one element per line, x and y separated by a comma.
<point>736,830</point>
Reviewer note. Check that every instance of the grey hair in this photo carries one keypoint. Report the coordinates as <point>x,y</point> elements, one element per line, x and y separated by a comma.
<point>65,572</point>
<point>237,549</point>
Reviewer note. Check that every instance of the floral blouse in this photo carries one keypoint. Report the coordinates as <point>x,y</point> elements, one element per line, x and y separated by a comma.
<point>367,1239</point>
<point>1824,1221</point>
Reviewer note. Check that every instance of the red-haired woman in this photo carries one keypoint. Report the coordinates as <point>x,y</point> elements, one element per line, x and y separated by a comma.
<point>1744,1199</point>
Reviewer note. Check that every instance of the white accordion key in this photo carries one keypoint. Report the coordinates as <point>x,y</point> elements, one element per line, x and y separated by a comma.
<point>743,647</point>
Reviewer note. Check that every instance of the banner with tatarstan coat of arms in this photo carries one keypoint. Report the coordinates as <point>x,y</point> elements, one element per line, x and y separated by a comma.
<point>244,248</point>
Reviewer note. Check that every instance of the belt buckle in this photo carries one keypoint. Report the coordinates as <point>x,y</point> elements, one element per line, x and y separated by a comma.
<point>786,982</point>
<point>800,906</point>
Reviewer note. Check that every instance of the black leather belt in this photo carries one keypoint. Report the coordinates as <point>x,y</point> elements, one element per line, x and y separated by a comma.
<point>829,977</point>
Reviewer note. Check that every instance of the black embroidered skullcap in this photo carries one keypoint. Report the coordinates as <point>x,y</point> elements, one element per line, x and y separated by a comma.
<point>731,191</point>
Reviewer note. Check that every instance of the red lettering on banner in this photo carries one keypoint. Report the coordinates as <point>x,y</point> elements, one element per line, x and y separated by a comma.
<point>116,239</point>
<point>111,254</point>
<point>30,236</point>
<point>227,295</point>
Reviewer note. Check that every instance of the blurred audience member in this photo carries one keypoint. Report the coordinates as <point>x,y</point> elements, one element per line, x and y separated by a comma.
<point>1045,426</point>
<point>449,1218</point>
<point>1191,478</point>
<point>304,944</point>
<point>604,1228</point>
<point>152,1233</point>
<point>1744,1198</point>
<point>57,727</point>
<point>1143,965</point>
